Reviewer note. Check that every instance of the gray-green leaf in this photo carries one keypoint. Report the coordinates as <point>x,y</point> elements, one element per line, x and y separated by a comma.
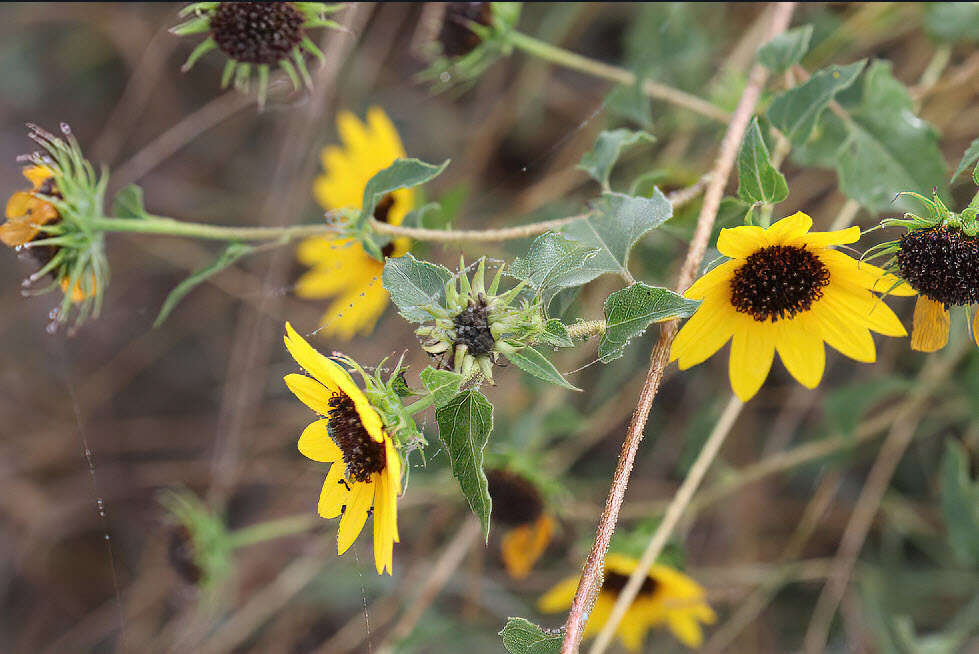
<point>556,334</point>
<point>231,254</point>
<point>403,173</point>
<point>533,362</point>
<point>465,423</point>
<point>970,157</point>
<point>631,103</point>
<point>598,161</point>
<point>521,636</point>
<point>128,203</point>
<point>759,181</point>
<point>786,49</point>
<point>442,384</point>
<point>629,312</point>
<point>553,262</point>
<point>960,504</point>
<point>796,111</point>
<point>413,285</point>
<point>614,226</point>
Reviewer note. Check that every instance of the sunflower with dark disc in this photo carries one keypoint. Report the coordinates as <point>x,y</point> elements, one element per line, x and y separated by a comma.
<point>257,36</point>
<point>787,290</point>
<point>365,472</point>
<point>938,257</point>
<point>520,507</point>
<point>667,598</point>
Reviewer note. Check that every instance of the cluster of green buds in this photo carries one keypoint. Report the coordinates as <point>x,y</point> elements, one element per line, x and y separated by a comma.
<point>477,324</point>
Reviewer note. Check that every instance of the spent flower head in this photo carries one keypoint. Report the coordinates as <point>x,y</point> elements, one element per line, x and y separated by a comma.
<point>55,221</point>
<point>255,36</point>
<point>200,547</point>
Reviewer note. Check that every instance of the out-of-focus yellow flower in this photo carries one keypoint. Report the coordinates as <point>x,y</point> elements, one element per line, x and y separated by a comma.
<point>340,267</point>
<point>785,289</point>
<point>366,473</point>
<point>667,597</point>
<point>26,211</point>
<point>520,508</point>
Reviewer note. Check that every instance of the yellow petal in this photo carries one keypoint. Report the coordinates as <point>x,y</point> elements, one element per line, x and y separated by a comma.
<point>392,465</point>
<point>559,597</point>
<point>600,613</point>
<point>37,175</point>
<point>631,632</point>
<point>975,328</point>
<point>843,334</point>
<point>383,543</point>
<point>334,494</point>
<point>789,228</point>
<point>718,277</point>
<point>315,443</point>
<point>524,544</point>
<point>800,347</point>
<point>752,352</point>
<point>741,242</point>
<point>356,311</point>
<point>816,240</point>
<point>353,133</point>
<point>686,629</point>
<point>18,204</point>
<point>355,515</point>
<point>384,134</point>
<point>704,333</point>
<point>863,307</point>
<point>929,331</point>
<point>334,253</point>
<point>863,274</point>
<point>621,564</point>
<point>310,392</point>
<point>326,372</point>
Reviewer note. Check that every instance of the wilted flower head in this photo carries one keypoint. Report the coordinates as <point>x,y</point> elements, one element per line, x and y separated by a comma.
<point>259,35</point>
<point>199,546</point>
<point>55,221</point>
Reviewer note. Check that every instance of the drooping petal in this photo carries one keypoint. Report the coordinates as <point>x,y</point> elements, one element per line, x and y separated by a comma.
<point>752,353</point>
<point>334,494</point>
<point>929,330</point>
<point>741,242</point>
<point>37,175</point>
<point>310,392</point>
<point>789,228</point>
<point>800,346</point>
<point>523,545</point>
<point>383,542</point>
<point>975,327</point>
<point>315,443</point>
<point>355,515</point>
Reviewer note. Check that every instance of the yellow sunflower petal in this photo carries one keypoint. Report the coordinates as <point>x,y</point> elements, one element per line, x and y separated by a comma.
<point>334,494</point>
<point>631,632</point>
<point>843,334</point>
<point>353,133</point>
<point>524,544</point>
<point>686,629</point>
<point>383,541</point>
<point>559,597</point>
<point>752,353</point>
<point>789,228</point>
<point>315,443</point>
<point>975,327</point>
<point>704,333</point>
<point>816,240</point>
<point>331,253</point>
<point>18,204</point>
<point>600,613</point>
<point>929,331</point>
<point>719,276</point>
<point>621,564</point>
<point>356,311</point>
<point>863,274</point>
<point>37,175</point>
<point>310,392</point>
<point>865,307</point>
<point>392,468</point>
<point>326,372</point>
<point>384,133</point>
<point>355,515</point>
<point>800,346</point>
<point>741,242</point>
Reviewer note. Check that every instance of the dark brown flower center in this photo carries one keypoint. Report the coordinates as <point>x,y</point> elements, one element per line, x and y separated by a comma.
<point>180,552</point>
<point>615,582</point>
<point>472,329</point>
<point>257,32</point>
<point>382,213</point>
<point>778,282</point>
<point>456,36</point>
<point>362,454</point>
<point>941,263</point>
<point>515,499</point>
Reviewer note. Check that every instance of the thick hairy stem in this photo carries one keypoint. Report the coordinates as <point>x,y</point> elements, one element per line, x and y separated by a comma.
<point>591,576</point>
<point>586,329</point>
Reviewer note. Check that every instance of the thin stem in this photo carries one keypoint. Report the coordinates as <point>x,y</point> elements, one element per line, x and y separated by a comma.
<point>574,61</point>
<point>481,235</point>
<point>589,584</point>
<point>171,227</point>
<point>272,529</point>
<point>669,522</point>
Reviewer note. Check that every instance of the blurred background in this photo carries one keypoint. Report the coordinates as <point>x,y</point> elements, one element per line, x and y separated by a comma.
<point>96,426</point>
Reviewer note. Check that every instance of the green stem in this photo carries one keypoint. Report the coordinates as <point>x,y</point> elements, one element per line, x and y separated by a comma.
<point>586,329</point>
<point>420,405</point>
<point>574,61</point>
<point>271,530</point>
<point>171,227</point>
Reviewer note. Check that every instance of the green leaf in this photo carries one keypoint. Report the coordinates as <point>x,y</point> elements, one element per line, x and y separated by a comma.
<point>970,157</point>
<point>414,285</point>
<point>556,334</point>
<point>552,262</point>
<point>631,103</point>
<point>598,161</point>
<point>795,112</point>
<point>785,50</point>
<point>465,423</point>
<point>231,254</point>
<point>534,363</point>
<point>521,636</point>
<point>614,226</point>
<point>403,173</point>
<point>952,21</point>
<point>442,384</point>
<point>128,203</point>
<point>847,405</point>
<point>960,504</point>
<point>759,181</point>
<point>629,312</point>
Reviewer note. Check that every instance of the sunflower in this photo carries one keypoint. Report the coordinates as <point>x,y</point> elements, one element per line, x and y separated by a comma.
<point>785,289</point>
<point>340,267</point>
<point>666,596</point>
<point>518,505</point>
<point>365,477</point>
